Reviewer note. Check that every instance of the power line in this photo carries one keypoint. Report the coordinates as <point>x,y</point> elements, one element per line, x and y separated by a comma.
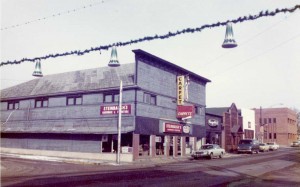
<point>155,37</point>
<point>242,44</point>
<point>52,16</point>
<point>261,54</point>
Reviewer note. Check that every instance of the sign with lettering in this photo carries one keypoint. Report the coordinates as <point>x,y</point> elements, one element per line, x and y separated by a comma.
<point>172,127</point>
<point>186,129</point>
<point>185,111</point>
<point>114,109</point>
<point>213,122</point>
<point>180,90</point>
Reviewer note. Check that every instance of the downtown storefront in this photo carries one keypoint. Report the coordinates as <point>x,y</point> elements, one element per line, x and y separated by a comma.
<point>76,112</point>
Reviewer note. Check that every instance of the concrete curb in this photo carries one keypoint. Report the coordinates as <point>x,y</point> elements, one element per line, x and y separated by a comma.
<point>142,162</point>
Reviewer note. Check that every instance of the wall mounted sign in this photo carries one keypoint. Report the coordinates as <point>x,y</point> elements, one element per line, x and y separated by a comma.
<point>114,109</point>
<point>172,127</point>
<point>213,122</point>
<point>185,111</point>
<point>186,129</point>
<point>180,90</point>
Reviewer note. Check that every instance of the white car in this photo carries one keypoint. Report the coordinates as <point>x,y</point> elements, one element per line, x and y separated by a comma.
<point>209,151</point>
<point>273,146</point>
<point>296,144</point>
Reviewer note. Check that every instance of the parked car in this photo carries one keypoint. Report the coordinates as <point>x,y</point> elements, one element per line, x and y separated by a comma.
<point>209,151</point>
<point>273,146</point>
<point>264,147</point>
<point>248,146</point>
<point>296,144</point>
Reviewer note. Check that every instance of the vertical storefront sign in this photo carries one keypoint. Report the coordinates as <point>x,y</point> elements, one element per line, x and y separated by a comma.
<point>180,90</point>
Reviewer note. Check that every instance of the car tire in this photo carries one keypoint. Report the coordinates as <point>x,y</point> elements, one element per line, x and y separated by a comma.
<point>221,155</point>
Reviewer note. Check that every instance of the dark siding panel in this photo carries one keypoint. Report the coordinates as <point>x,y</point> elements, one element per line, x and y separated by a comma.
<point>57,142</point>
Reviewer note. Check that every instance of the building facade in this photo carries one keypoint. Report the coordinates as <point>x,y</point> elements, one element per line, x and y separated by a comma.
<point>78,111</point>
<point>231,126</point>
<point>214,127</point>
<point>248,123</point>
<point>276,125</point>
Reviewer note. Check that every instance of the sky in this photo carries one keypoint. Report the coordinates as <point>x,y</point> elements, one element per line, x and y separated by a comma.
<point>263,71</point>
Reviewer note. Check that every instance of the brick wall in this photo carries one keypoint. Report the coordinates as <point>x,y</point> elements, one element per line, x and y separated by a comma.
<point>284,125</point>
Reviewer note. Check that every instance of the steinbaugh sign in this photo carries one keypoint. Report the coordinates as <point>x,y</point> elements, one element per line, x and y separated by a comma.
<point>185,111</point>
<point>114,109</point>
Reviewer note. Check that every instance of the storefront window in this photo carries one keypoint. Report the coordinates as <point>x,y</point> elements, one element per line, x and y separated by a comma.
<point>144,145</point>
<point>159,141</point>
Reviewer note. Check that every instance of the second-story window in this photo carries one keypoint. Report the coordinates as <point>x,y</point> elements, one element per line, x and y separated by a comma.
<point>12,105</point>
<point>110,98</point>
<point>150,99</point>
<point>41,103</point>
<point>196,109</point>
<point>74,100</point>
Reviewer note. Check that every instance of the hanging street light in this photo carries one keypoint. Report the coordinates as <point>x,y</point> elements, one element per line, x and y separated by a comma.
<point>38,70</point>
<point>114,62</point>
<point>229,41</point>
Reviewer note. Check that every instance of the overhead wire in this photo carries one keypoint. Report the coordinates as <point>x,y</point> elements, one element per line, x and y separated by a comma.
<point>243,43</point>
<point>260,54</point>
<point>51,16</point>
<point>155,37</point>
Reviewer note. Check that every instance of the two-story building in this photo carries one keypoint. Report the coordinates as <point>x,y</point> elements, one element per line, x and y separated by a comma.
<point>276,125</point>
<point>76,113</point>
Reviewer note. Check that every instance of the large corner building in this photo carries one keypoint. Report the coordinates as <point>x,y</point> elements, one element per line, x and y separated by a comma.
<point>77,112</point>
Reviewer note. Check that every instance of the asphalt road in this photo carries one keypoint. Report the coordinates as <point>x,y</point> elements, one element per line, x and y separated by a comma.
<point>274,168</point>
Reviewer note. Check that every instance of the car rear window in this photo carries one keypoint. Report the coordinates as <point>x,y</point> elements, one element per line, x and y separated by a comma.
<point>207,147</point>
<point>245,141</point>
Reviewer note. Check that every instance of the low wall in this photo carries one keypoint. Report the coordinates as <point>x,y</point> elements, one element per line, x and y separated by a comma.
<point>74,155</point>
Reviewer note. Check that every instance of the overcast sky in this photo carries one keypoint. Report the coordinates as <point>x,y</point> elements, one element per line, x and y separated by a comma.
<point>264,70</point>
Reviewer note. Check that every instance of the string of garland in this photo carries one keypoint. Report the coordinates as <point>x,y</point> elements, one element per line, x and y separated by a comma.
<point>52,16</point>
<point>155,37</point>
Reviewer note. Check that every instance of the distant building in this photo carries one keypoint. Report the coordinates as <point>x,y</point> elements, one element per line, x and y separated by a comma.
<point>229,131</point>
<point>276,125</point>
<point>76,112</point>
<point>248,123</point>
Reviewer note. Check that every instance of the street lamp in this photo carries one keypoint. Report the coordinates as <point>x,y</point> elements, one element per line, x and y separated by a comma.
<point>114,62</point>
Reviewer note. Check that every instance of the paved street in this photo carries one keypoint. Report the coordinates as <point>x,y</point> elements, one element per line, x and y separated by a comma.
<point>277,168</point>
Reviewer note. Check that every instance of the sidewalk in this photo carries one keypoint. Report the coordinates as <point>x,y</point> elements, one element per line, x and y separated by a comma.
<point>142,162</point>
